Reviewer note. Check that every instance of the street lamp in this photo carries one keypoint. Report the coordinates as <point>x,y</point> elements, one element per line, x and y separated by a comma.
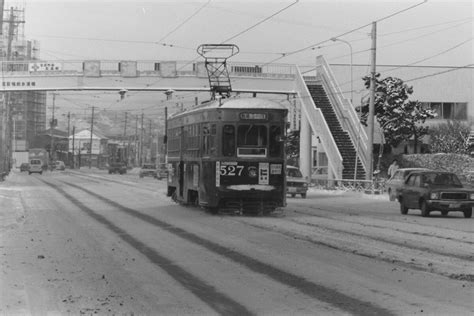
<point>350,47</point>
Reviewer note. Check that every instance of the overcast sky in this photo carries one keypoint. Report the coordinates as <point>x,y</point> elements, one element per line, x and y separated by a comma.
<point>433,33</point>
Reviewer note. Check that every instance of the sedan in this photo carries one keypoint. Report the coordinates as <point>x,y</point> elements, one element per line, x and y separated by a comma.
<point>435,191</point>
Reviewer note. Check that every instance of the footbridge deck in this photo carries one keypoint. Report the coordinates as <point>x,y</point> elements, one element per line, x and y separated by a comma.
<point>142,76</point>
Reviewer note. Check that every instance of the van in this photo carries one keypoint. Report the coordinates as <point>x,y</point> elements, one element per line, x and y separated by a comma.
<point>36,165</point>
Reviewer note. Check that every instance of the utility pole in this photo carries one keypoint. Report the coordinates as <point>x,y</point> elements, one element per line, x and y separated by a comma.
<point>141,141</point>
<point>73,147</point>
<point>150,139</point>
<point>124,138</point>
<point>370,119</point>
<point>90,144</point>
<point>136,138</point>
<point>68,134</point>
<point>165,139</point>
<point>51,130</point>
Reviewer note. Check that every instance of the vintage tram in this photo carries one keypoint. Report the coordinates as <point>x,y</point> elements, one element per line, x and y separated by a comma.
<point>228,155</point>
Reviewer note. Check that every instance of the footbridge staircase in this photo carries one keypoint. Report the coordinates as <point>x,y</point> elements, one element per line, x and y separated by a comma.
<point>330,116</point>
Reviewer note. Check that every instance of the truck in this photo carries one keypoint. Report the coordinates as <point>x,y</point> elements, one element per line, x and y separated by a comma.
<point>41,154</point>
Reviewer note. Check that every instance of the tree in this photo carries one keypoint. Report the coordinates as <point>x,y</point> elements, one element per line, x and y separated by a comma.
<point>399,118</point>
<point>450,137</point>
<point>292,147</point>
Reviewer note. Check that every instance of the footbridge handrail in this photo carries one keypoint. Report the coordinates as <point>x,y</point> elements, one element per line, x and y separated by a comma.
<point>343,108</point>
<point>318,125</point>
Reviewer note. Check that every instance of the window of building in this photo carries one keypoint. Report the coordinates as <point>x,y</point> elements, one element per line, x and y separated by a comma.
<point>448,110</point>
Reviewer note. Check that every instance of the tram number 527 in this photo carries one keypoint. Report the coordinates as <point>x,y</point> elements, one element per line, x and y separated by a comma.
<point>231,170</point>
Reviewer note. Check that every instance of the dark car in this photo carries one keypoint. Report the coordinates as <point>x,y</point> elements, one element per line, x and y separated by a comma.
<point>117,167</point>
<point>435,191</point>
<point>24,167</point>
<point>295,182</point>
<point>396,181</point>
<point>148,170</point>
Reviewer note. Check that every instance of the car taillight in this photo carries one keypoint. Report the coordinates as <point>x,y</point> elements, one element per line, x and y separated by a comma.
<point>434,196</point>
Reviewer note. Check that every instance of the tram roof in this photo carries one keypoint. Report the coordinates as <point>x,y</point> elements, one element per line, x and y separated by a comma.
<point>236,103</point>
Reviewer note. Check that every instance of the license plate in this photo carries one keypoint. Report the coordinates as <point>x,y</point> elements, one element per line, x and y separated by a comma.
<point>291,190</point>
<point>454,205</point>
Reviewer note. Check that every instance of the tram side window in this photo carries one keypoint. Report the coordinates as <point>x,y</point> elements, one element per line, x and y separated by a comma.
<point>228,140</point>
<point>212,139</point>
<point>205,139</point>
<point>276,144</point>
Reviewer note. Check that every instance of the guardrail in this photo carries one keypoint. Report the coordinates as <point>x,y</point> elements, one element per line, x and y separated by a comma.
<point>143,68</point>
<point>376,186</point>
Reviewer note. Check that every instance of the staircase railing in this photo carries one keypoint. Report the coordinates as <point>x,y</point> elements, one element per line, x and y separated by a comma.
<point>345,111</point>
<point>318,125</point>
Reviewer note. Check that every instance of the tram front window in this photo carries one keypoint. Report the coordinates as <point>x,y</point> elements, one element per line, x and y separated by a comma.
<point>252,140</point>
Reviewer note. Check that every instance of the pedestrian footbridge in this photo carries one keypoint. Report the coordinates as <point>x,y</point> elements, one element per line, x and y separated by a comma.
<point>326,113</point>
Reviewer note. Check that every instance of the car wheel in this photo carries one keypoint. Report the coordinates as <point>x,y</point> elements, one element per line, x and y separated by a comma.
<point>303,195</point>
<point>403,208</point>
<point>468,213</point>
<point>293,195</point>
<point>425,212</point>
<point>391,196</point>
<point>444,213</point>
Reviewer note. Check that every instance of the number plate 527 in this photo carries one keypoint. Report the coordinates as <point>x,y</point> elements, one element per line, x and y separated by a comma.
<point>231,170</point>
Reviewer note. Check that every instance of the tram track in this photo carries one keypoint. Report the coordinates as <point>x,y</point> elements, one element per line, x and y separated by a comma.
<point>309,288</point>
<point>350,235</point>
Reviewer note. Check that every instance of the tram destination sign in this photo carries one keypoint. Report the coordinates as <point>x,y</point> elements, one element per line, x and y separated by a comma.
<point>249,116</point>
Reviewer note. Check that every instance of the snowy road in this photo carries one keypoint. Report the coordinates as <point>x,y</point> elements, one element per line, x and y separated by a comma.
<point>80,243</point>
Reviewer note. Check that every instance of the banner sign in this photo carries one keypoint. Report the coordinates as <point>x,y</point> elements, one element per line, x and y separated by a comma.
<point>44,66</point>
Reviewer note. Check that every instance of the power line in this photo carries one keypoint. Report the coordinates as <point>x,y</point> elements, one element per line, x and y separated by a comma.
<point>260,22</point>
<point>440,73</point>
<point>433,56</point>
<point>185,21</point>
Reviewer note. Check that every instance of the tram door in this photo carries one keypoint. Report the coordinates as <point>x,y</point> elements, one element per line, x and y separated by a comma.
<point>181,178</point>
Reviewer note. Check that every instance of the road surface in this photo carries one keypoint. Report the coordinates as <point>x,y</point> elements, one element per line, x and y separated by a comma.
<point>77,242</point>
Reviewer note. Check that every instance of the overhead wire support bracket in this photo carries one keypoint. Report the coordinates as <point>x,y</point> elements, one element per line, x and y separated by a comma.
<point>216,56</point>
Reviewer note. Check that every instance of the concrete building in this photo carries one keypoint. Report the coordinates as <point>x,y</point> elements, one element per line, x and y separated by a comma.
<point>23,113</point>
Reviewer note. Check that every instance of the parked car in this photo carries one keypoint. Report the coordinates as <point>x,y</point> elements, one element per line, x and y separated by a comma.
<point>295,182</point>
<point>117,167</point>
<point>162,172</point>
<point>396,181</point>
<point>36,166</point>
<point>435,191</point>
<point>24,167</point>
<point>59,165</point>
<point>148,170</point>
